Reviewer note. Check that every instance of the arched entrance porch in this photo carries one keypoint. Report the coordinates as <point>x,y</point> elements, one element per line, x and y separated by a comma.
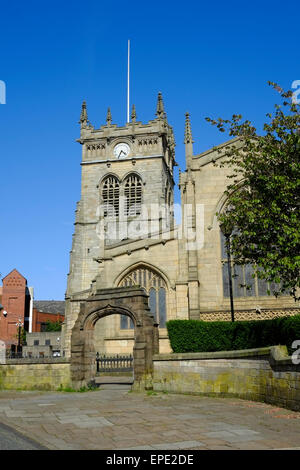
<point>129,301</point>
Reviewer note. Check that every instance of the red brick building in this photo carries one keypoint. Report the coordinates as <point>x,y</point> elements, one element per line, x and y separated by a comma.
<point>46,310</point>
<point>16,299</point>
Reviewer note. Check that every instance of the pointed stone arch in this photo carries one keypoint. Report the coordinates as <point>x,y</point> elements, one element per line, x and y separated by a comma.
<point>145,265</point>
<point>155,285</point>
<point>130,301</point>
<point>107,175</point>
<point>134,173</point>
<point>221,204</point>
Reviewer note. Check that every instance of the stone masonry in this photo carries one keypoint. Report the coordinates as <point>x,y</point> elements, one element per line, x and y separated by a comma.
<point>132,302</point>
<point>191,273</point>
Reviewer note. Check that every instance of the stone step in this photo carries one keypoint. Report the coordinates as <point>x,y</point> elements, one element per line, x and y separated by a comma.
<point>114,382</point>
<point>108,386</point>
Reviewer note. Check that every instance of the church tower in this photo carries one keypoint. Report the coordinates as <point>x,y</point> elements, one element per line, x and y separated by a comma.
<point>127,173</point>
<point>127,251</point>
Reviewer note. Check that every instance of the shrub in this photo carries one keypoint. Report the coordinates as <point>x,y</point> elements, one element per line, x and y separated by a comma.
<point>201,336</point>
<point>291,331</point>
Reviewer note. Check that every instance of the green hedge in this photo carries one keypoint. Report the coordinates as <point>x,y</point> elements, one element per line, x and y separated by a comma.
<point>201,336</point>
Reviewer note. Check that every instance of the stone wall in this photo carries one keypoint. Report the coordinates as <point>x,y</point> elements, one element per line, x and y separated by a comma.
<point>35,374</point>
<point>265,374</point>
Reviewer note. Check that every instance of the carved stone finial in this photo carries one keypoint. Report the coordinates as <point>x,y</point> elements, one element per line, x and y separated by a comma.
<point>160,112</point>
<point>108,117</point>
<point>133,113</point>
<point>171,139</point>
<point>188,131</point>
<point>83,116</point>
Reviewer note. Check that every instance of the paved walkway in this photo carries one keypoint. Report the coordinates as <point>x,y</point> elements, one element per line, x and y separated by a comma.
<point>118,419</point>
<point>12,440</point>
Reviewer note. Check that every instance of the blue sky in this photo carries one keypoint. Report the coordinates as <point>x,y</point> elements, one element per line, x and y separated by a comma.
<point>209,58</point>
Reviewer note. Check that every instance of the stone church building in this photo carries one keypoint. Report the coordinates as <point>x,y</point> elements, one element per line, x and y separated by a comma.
<point>126,235</point>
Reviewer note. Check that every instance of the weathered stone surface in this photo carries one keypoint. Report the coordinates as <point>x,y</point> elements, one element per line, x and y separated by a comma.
<point>41,374</point>
<point>265,374</point>
<point>193,277</point>
<point>115,419</point>
<point>129,301</point>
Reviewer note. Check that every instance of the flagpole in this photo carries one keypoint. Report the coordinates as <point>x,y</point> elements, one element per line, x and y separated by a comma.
<point>128,72</point>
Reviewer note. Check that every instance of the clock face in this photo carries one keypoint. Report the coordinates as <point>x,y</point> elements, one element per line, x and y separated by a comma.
<point>121,150</point>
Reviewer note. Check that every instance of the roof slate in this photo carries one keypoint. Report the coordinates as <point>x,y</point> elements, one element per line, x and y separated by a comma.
<point>50,306</point>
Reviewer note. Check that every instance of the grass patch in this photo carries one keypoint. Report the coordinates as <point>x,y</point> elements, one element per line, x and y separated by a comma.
<point>89,388</point>
<point>150,393</point>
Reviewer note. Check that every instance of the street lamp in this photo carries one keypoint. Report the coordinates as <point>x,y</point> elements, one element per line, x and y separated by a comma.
<point>19,326</point>
<point>4,311</point>
<point>227,231</point>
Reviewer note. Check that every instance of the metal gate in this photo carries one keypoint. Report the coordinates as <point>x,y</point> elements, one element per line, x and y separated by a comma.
<point>114,363</point>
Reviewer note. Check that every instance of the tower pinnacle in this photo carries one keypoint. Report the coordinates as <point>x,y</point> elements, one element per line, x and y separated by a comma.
<point>133,113</point>
<point>108,117</point>
<point>83,116</point>
<point>188,131</point>
<point>160,107</point>
<point>188,140</point>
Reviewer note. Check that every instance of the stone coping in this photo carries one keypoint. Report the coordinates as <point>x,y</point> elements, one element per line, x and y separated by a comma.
<point>276,353</point>
<point>36,360</point>
<point>118,338</point>
<point>263,309</point>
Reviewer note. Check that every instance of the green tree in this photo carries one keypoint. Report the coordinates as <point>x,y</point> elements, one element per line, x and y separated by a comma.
<point>262,210</point>
<point>53,325</point>
<point>22,336</point>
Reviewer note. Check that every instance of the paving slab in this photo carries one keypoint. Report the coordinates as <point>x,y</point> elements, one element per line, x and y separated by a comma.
<point>120,419</point>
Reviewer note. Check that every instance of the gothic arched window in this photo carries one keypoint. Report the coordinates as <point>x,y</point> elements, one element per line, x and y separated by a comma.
<point>110,196</point>
<point>170,203</point>
<point>244,282</point>
<point>133,195</point>
<point>155,287</point>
